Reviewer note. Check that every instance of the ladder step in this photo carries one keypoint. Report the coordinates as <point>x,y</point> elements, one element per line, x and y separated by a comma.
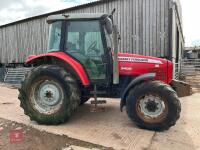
<point>98,92</point>
<point>98,102</point>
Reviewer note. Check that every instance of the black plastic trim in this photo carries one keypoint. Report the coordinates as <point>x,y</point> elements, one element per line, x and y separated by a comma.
<point>132,84</point>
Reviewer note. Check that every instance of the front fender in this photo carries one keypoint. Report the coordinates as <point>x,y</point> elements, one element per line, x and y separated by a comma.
<point>148,76</point>
<point>76,66</point>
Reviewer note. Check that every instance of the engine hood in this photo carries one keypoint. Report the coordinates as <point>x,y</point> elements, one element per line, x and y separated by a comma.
<point>135,65</point>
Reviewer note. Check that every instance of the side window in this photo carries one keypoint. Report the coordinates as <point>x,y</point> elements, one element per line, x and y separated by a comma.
<point>73,41</point>
<point>54,37</point>
<point>94,45</point>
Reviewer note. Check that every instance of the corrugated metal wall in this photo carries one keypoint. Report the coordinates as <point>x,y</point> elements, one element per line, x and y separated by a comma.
<point>143,27</point>
<point>20,40</point>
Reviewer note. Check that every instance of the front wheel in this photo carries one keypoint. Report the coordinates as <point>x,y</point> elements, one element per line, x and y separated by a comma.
<point>49,94</point>
<point>153,105</point>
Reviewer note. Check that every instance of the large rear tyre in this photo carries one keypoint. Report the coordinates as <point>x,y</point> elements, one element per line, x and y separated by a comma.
<point>49,94</point>
<point>153,105</point>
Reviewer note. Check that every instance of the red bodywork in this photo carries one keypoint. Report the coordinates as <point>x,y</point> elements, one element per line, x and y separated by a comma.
<point>73,63</point>
<point>129,65</point>
<point>135,65</point>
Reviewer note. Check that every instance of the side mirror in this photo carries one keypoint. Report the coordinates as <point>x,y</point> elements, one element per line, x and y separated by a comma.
<point>108,25</point>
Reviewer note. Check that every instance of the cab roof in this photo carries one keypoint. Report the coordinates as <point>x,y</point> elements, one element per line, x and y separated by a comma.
<point>75,16</point>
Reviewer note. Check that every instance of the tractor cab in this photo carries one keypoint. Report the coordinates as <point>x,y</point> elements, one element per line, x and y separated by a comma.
<point>88,38</point>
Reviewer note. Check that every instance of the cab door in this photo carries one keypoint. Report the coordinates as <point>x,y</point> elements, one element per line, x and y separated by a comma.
<point>85,43</point>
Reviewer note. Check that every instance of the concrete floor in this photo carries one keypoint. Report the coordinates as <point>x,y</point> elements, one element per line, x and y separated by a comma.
<point>113,128</point>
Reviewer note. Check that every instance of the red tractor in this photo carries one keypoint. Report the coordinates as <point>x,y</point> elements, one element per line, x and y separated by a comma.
<point>83,61</point>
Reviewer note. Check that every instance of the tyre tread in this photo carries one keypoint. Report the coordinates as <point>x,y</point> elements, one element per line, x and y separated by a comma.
<point>74,98</point>
<point>160,86</point>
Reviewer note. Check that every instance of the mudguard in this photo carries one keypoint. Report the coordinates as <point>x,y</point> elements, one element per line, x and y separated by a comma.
<point>148,76</point>
<point>76,66</point>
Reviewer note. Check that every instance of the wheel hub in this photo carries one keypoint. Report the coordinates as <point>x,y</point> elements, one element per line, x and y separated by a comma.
<point>151,106</point>
<point>47,96</point>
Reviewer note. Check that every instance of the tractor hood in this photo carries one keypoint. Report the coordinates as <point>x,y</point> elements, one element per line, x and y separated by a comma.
<point>135,65</point>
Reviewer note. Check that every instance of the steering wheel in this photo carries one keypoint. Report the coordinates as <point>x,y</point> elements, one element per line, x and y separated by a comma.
<point>92,47</point>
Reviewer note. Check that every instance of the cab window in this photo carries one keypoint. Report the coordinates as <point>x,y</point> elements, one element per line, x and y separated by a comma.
<point>54,36</point>
<point>84,42</point>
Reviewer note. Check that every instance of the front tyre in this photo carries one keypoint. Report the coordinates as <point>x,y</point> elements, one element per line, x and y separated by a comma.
<point>153,105</point>
<point>49,94</point>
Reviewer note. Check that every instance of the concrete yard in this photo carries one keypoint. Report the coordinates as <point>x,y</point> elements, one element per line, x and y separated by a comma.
<point>113,128</point>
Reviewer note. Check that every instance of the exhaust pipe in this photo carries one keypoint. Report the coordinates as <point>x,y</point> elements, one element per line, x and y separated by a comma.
<point>116,37</point>
<point>115,58</point>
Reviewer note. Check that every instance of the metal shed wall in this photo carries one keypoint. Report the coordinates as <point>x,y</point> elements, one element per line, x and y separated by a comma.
<point>143,25</point>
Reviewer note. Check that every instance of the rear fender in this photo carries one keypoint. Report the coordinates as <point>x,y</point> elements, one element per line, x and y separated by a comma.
<point>134,82</point>
<point>75,66</point>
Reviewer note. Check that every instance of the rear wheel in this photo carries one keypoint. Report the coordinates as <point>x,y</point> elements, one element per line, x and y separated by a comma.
<point>49,94</point>
<point>153,105</point>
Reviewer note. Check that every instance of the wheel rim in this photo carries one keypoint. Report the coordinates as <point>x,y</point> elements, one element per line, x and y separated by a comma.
<point>152,108</point>
<point>47,96</point>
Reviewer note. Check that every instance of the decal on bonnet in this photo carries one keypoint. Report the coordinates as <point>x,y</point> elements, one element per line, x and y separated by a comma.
<point>127,68</point>
<point>142,60</point>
